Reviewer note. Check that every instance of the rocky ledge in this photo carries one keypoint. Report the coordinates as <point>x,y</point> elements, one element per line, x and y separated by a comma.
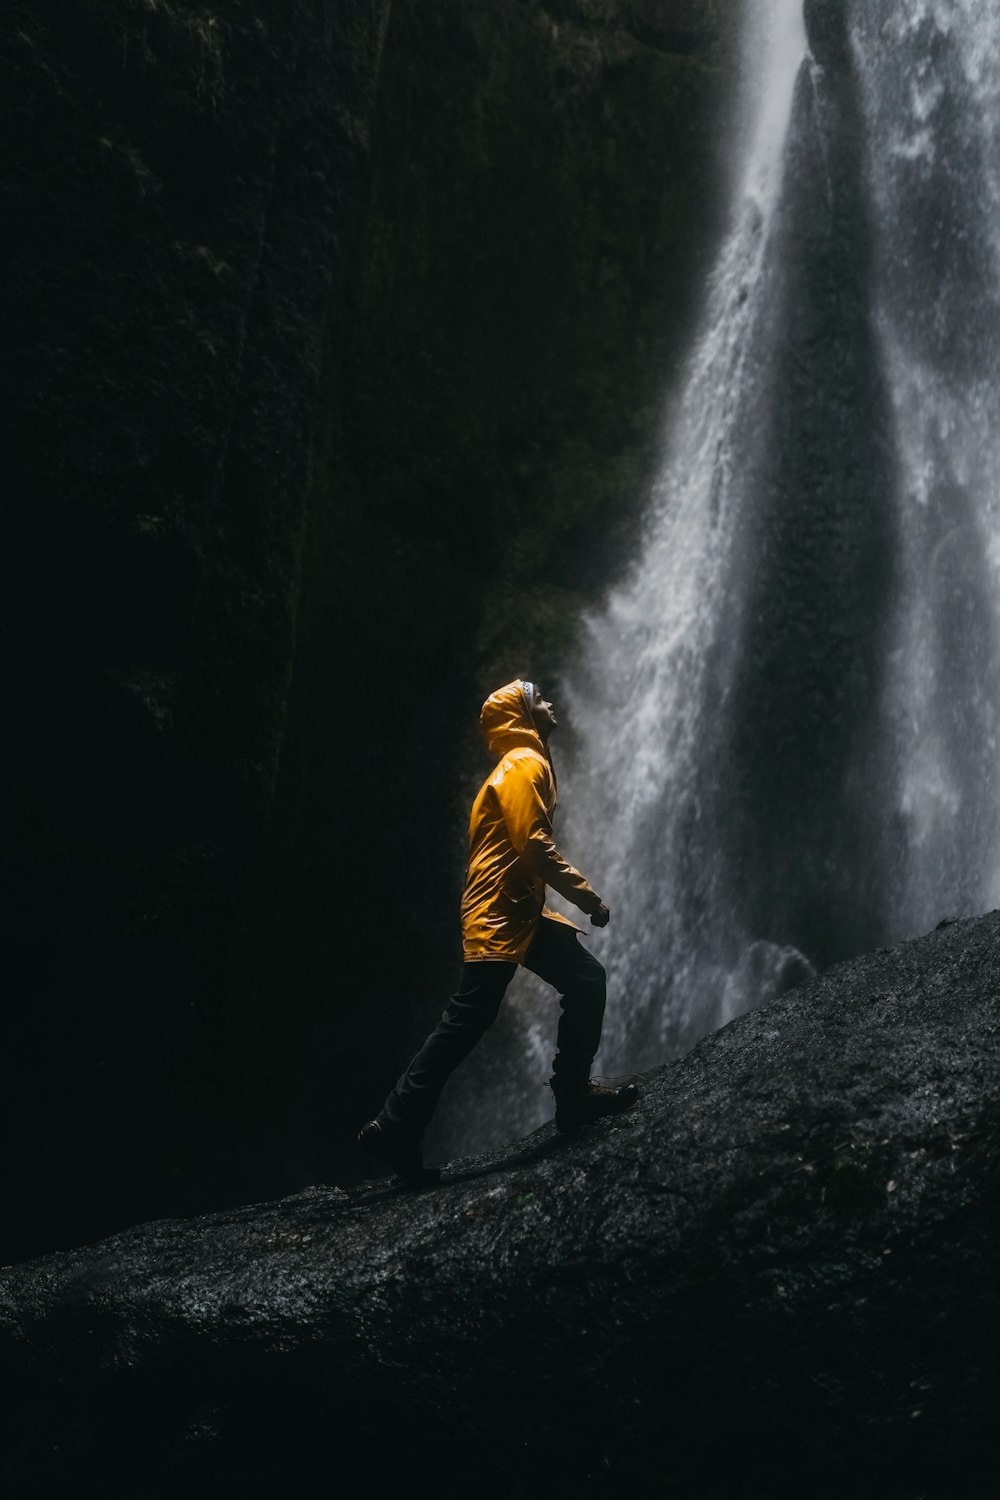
<point>777,1276</point>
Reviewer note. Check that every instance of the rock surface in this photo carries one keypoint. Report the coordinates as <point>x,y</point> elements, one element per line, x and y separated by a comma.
<point>778,1276</point>
<point>179,188</point>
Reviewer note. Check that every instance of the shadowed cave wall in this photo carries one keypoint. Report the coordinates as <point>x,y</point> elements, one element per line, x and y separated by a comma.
<point>336,341</point>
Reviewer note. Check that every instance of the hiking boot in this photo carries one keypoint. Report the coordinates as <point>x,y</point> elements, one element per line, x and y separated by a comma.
<point>577,1104</point>
<point>398,1150</point>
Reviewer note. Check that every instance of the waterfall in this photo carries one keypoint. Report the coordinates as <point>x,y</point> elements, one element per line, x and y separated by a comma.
<point>655,667</point>
<point>784,719</point>
<point>929,73</point>
<point>780,729</point>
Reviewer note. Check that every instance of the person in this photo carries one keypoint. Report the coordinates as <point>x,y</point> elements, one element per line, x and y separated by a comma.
<point>512,858</point>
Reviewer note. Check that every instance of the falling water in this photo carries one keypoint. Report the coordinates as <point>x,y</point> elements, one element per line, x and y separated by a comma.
<point>785,717</point>
<point>783,723</point>
<point>929,72</point>
<point>657,665</point>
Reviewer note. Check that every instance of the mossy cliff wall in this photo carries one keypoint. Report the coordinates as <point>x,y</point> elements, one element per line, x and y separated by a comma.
<point>336,341</point>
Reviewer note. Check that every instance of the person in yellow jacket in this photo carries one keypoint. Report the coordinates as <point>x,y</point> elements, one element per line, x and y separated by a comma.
<point>512,858</point>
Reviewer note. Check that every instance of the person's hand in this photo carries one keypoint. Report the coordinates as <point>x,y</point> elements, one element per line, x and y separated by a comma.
<point>601,917</point>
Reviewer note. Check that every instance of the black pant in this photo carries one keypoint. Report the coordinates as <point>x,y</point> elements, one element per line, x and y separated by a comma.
<point>557,956</point>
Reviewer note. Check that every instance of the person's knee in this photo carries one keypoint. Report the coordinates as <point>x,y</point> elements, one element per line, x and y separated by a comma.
<point>475,1010</point>
<point>594,975</point>
<point>588,985</point>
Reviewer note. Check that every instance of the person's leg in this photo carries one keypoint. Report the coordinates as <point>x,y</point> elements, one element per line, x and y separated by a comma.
<point>469,1013</point>
<point>557,956</point>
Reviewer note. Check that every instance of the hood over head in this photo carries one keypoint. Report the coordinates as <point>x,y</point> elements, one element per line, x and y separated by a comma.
<point>505,719</point>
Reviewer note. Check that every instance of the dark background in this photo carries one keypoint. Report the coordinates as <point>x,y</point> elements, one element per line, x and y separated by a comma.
<point>335,343</point>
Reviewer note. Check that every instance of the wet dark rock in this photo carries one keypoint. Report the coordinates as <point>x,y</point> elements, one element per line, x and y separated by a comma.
<point>777,1276</point>
<point>826,28</point>
<point>675,26</point>
<point>177,195</point>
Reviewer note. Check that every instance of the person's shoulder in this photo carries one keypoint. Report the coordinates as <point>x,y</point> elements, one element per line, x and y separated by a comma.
<point>527,764</point>
<point>522,760</point>
<point>531,760</point>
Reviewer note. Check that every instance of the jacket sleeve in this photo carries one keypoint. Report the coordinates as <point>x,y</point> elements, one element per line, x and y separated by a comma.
<point>520,793</point>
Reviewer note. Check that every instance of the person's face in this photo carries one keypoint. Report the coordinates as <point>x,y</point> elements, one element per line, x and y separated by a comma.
<point>543,714</point>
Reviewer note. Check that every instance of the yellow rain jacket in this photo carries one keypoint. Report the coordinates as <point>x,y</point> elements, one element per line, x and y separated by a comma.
<point>512,856</point>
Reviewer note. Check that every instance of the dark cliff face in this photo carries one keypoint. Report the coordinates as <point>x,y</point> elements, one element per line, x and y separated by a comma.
<point>776,1276</point>
<point>178,186</point>
<point>334,344</point>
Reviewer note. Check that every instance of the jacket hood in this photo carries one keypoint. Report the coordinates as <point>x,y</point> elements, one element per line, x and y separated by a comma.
<point>506,722</point>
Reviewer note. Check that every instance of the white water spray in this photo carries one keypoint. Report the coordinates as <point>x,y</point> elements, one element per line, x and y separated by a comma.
<point>930,80</point>
<point>655,664</point>
<point>912,532</point>
<point>786,719</point>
